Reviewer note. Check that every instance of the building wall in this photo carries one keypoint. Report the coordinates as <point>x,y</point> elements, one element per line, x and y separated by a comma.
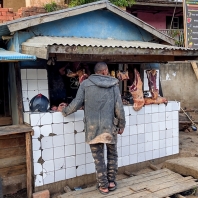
<point>14,4</point>
<point>42,2</point>
<point>179,83</point>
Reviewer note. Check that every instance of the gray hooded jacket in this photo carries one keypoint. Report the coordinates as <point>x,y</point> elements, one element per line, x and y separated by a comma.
<point>104,113</point>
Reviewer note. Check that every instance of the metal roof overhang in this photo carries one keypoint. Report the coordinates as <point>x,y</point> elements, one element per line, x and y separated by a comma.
<point>43,46</point>
<point>11,56</point>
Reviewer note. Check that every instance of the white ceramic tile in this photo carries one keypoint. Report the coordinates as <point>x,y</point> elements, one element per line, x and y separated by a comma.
<point>148,146</point>
<point>162,143</point>
<point>148,128</point>
<point>119,142</point>
<point>80,159</point>
<point>90,168</point>
<point>32,85</point>
<point>60,175</point>
<point>36,155</point>
<point>133,130</point>
<point>148,118</point>
<point>89,158</point>
<point>42,84</point>
<point>133,139</point>
<point>25,96</point>
<point>46,142</point>
<point>168,115</point>
<point>47,154</point>
<point>133,159</point>
<point>162,152</point>
<point>162,117</point>
<point>175,115</point>
<point>87,147</point>
<point>69,118</point>
<point>36,145</point>
<point>26,117</point>
<point>79,126</point>
<point>44,92</point>
<point>70,161</point>
<point>148,137</point>
<point>125,140</point>
<point>35,119</point>
<point>37,132</point>
<point>125,151</point>
<point>46,118</point>
<point>162,108</point>
<point>38,180</point>
<point>31,94</point>
<point>155,126</point>
<point>140,128</point>
<point>119,149</point>
<point>141,157</point>
<point>37,168</point>
<point>175,141</point>
<point>156,154</point>
<point>125,161</point>
<point>147,109</point>
<point>57,117</point>
<point>59,152</point>
<point>169,106</point>
<point>119,162</point>
<point>132,111</point>
<point>126,131</point>
<point>70,172</point>
<point>154,108</point>
<point>48,166</point>
<point>169,133</point>
<point>156,135</point>
<point>24,84</point>
<point>162,134</point>
<point>81,170</point>
<point>58,140</point>
<point>59,164</point>
<point>69,138</point>
<point>169,124</point>
<point>42,74</point>
<point>169,151</point>
<point>169,142</point>
<point>26,106</point>
<point>162,125</point>
<point>133,120</point>
<point>79,115</point>
<point>31,74</point>
<point>141,111</point>
<point>69,127</point>
<point>175,149</point>
<point>57,128</point>
<point>175,124</point>
<point>127,119</point>
<point>141,138</point>
<point>141,148</point>
<point>49,178</point>
<point>126,110</point>
<point>46,130</point>
<point>140,119</point>
<point>23,74</point>
<point>133,149</point>
<point>155,117</point>
<point>80,148</point>
<point>79,137</point>
<point>175,132</point>
<point>156,145</point>
<point>149,155</point>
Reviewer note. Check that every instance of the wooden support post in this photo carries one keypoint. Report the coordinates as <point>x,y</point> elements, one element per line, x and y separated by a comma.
<point>125,82</point>
<point>194,66</point>
<point>28,140</point>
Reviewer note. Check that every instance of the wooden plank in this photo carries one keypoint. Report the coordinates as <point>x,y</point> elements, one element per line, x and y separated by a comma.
<point>5,121</point>
<point>29,164</point>
<point>13,170</point>
<point>12,161</point>
<point>11,152</point>
<point>18,135</point>
<point>14,129</point>
<point>14,142</point>
<point>195,68</point>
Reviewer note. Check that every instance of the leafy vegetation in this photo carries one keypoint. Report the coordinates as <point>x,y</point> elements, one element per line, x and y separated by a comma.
<point>50,7</point>
<point>120,3</point>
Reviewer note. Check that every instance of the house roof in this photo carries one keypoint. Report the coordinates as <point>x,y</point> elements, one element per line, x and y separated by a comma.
<point>22,23</point>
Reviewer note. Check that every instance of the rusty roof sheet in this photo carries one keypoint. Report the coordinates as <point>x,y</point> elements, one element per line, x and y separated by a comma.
<point>45,41</point>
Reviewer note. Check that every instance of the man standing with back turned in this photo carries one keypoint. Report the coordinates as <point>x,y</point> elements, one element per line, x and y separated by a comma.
<point>104,119</point>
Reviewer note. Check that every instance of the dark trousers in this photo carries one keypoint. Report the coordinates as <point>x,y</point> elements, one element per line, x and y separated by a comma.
<point>105,174</point>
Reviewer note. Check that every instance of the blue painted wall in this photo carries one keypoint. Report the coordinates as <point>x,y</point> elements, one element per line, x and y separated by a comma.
<point>101,24</point>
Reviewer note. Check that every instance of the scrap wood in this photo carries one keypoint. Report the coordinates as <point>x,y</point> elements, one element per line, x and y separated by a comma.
<point>67,189</point>
<point>153,167</point>
<point>195,68</point>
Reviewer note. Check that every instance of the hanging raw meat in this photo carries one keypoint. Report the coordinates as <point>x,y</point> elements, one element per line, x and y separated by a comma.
<point>136,91</point>
<point>159,100</point>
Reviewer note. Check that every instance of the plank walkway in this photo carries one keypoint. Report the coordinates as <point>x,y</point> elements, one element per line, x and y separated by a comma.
<point>157,184</point>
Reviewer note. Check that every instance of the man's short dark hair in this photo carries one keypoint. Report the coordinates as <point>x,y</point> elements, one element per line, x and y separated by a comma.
<point>100,66</point>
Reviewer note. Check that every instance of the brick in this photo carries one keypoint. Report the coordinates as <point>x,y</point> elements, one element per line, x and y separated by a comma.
<point>10,9</point>
<point>3,18</point>
<point>3,9</point>
<point>42,194</point>
<point>10,18</point>
<point>17,17</point>
<point>3,13</point>
<point>10,14</point>
<point>41,10</point>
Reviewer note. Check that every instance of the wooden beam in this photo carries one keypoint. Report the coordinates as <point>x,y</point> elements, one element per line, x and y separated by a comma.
<point>5,121</point>
<point>159,4</point>
<point>195,68</point>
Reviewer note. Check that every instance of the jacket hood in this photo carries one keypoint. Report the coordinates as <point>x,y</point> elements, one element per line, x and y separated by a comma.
<point>103,81</point>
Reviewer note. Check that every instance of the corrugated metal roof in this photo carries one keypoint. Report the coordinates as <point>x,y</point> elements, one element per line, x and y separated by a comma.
<point>44,41</point>
<point>14,56</point>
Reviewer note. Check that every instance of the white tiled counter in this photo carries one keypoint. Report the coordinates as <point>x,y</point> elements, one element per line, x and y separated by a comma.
<point>60,151</point>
